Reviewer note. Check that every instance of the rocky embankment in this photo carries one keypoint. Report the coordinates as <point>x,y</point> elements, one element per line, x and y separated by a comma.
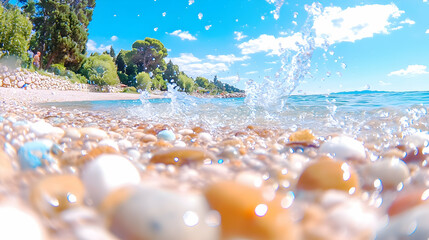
<point>17,78</point>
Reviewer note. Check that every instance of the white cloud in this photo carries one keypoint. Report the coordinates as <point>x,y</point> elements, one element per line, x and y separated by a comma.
<point>268,70</point>
<point>245,64</point>
<point>184,35</point>
<point>427,31</point>
<point>408,21</point>
<point>185,58</point>
<point>425,0</point>
<point>91,46</point>
<point>273,62</point>
<point>382,83</point>
<point>411,70</point>
<point>252,72</point>
<point>195,67</point>
<point>114,38</point>
<point>230,58</point>
<point>271,44</point>
<point>351,24</point>
<point>231,78</point>
<point>239,36</point>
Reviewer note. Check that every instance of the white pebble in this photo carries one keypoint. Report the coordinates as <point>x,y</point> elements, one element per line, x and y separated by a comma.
<point>160,214</point>
<point>93,133</point>
<point>205,137</point>
<point>419,139</point>
<point>107,173</point>
<point>343,147</point>
<point>390,171</point>
<point>16,223</point>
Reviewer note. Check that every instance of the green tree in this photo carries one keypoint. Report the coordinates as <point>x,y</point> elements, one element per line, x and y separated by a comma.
<point>202,82</point>
<point>148,55</point>
<point>120,61</point>
<point>15,31</point>
<point>100,69</point>
<point>112,53</point>
<point>131,72</point>
<point>159,83</point>
<point>61,31</point>
<point>143,81</point>
<point>171,72</point>
<point>185,83</point>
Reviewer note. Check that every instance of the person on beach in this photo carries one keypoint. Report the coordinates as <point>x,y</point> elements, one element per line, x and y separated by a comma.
<point>36,60</point>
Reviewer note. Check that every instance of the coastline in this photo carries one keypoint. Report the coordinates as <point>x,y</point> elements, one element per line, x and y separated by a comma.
<point>34,96</point>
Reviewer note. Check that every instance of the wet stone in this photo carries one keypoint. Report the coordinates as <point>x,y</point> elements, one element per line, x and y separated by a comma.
<point>344,148</point>
<point>408,199</point>
<point>31,154</point>
<point>327,174</point>
<point>56,193</point>
<point>18,223</point>
<point>390,172</point>
<point>180,156</point>
<point>106,173</point>
<point>245,213</point>
<point>302,136</point>
<point>166,135</point>
<point>148,138</point>
<point>153,213</point>
<point>93,133</point>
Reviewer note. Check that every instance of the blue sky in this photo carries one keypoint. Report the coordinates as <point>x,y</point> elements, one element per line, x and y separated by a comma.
<point>381,45</point>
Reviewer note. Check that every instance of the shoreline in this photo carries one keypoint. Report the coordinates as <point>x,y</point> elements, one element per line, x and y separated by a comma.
<point>44,96</point>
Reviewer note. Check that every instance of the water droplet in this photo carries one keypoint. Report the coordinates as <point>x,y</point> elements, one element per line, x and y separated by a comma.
<point>208,27</point>
<point>261,210</point>
<point>425,195</point>
<point>288,200</point>
<point>220,161</point>
<point>343,65</point>
<point>164,14</point>
<point>262,18</point>
<point>200,16</point>
<point>155,29</point>
<point>190,218</point>
<point>71,198</point>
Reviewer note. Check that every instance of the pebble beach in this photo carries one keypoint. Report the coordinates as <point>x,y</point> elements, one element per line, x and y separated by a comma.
<point>75,174</point>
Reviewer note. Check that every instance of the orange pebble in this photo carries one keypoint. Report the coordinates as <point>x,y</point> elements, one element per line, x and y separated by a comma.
<point>180,156</point>
<point>408,200</point>
<point>54,194</point>
<point>302,136</point>
<point>246,214</point>
<point>95,153</point>
<point>328,174</point>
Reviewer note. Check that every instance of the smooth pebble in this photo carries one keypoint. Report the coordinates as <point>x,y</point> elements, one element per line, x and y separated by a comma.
<point>106,173</point>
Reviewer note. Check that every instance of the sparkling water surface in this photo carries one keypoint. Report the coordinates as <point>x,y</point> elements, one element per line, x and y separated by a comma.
<point>354,113</point>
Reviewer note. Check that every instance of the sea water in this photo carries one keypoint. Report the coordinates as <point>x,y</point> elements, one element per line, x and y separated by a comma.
<point>345,112</point>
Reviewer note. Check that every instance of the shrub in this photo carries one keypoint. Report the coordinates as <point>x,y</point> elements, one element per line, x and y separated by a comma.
<point>100,69</point>
<point>130,90</point>
<point>143,81</point>
<point>58,69</point>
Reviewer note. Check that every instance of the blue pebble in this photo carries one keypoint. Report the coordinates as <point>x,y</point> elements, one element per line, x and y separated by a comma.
<point>29,154</point>
<point>1,119</point>
<point>167,135</point>
<point>220,161</point>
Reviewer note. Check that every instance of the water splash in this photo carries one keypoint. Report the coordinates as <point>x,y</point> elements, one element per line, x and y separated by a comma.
<point>296,64</point>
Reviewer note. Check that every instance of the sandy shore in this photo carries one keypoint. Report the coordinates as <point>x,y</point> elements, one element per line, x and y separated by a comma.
<point>40,96</point>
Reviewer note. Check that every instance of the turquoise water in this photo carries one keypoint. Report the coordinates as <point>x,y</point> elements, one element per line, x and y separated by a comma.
<point>364,112</point>
<point>351,101</point>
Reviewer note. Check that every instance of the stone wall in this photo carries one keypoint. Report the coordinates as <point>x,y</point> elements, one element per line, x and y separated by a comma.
<point>16,78</point>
